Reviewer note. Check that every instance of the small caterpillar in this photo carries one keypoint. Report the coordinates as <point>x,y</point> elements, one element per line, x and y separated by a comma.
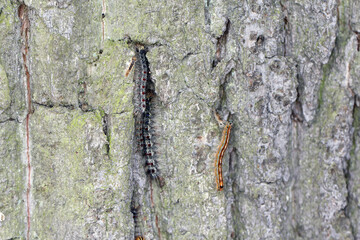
<point>132,63</point>
<point>137,223</point>
<point>219,156</point>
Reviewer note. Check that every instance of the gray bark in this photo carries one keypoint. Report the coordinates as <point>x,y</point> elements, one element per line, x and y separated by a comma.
<point>286,73</point>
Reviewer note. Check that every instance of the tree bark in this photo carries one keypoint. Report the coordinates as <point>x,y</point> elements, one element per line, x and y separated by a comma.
<point>285,73</point>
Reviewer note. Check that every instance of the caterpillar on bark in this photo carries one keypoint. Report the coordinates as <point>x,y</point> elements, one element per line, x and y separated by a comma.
<point>151,166</point>
<point>219,156</point>
<point>143,112</point>
<point>143,80</point>
<point>132,63</point>
<point>140,79</point>
<point>137,223</point>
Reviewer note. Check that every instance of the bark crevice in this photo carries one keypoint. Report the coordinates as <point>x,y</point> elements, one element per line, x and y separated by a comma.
<point>106,130</point>
<point>23,13</point>
<point>286,27</point>
<point>8,120</point>
<point>82,100</point>
<point>351,205</point>
<point>296,108</point>
<point>221,42</point>
<point>51,105</point>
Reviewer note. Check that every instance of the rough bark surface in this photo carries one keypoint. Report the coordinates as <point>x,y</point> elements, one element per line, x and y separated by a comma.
<point>287,73</point>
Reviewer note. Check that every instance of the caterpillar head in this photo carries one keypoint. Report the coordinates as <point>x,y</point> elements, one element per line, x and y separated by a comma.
<point>151,170</point>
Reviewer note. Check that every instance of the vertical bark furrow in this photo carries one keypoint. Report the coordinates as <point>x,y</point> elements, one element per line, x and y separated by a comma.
<point>25,31</point>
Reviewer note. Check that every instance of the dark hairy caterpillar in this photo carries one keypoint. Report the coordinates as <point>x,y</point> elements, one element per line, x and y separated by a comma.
<point>144,101</point>
<point>151,165</point>
<point>137,223</point>
<point>140,79</point>
<point>143,80</point>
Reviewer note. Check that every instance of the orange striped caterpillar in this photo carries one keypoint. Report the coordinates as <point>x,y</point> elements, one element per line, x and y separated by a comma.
<point>132,63</point>
<point>219,156</point>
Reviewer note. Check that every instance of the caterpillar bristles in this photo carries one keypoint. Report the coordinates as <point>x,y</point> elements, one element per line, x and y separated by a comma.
<point>144,113</point>
<point>137,222</point>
